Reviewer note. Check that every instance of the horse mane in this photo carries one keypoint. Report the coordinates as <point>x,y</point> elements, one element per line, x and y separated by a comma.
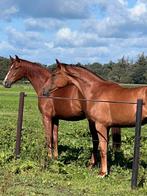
<point>98,77</point>
<point>35,64</point>
<point>85,68</point>
<point>35,69</point>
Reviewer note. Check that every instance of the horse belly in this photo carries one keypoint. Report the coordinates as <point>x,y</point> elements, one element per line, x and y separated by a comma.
<point>65,110</point>
<point>112,115</point>
<point>124,115</point>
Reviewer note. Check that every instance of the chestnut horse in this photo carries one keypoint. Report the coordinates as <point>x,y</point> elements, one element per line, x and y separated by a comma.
<point>103,114</point>
<point>53,109</point>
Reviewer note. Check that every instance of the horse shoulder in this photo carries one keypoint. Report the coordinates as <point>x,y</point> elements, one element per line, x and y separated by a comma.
<point>46,106</point>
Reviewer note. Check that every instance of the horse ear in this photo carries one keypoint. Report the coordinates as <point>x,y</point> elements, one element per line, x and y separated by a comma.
<point>17,58</point>
<point>57,61</point>
<point>60,65</point>
<point>11,58</point>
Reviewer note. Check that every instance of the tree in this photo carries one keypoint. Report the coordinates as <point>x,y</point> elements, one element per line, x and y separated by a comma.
<point>4,64</point>
<point>120,71</point>
<point>139,70</point>
<point>96,68</point>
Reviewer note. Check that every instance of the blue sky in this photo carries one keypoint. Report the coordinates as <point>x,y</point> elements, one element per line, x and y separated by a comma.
<point>73,31</point>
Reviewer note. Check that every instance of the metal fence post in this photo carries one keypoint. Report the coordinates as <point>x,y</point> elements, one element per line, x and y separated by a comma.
<point>19,124</point>
<point>137,144</point>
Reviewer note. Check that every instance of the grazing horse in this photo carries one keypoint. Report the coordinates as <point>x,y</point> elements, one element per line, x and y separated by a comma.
<point>54,109</point>
<point>103,114</point>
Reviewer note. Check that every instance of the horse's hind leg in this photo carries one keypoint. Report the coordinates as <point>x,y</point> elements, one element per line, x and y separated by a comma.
<point>93,161</point>
<point>48,134</point>
<point>103,141</point>
<point>116,138</point>
<point>55,137</point>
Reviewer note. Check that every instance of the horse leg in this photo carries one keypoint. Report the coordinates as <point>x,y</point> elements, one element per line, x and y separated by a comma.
<point>103,141</point>
<point>116,138</point>
<point>55,137</point>
<point>48,134</point>
<point>93,160</point>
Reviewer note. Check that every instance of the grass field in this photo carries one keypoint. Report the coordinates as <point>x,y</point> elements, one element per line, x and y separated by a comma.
<point>34,174</point>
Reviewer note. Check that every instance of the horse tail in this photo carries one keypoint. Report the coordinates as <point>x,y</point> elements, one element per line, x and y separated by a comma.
<point>116,138</point>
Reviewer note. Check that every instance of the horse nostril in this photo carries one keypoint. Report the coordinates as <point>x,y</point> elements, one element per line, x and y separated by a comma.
<point>45,92</point>
<point>6,84</point>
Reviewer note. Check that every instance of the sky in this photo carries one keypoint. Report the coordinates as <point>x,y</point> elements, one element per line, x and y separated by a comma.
<point>73,31</point>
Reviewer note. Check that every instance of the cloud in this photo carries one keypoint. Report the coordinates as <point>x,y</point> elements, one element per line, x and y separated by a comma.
<point>22,40</point>
<point>134,43</point>
<point>34,24</point>
<point>65,37</point>
<point>7,10</point>
<point>138,10</point>
<point>59,9</point>
<point>74,55</point>
<point>119,20</point>
<point>123,2</point>
<point>75,31</point>
<point>72,9</point>
<point>5,46</point>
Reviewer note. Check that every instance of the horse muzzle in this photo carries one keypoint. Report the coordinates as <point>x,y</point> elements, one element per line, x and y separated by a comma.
<point>45,92</point>
<point>7,84</point>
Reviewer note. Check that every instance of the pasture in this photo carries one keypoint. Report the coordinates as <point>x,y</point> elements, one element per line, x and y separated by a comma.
<point>34,174</point>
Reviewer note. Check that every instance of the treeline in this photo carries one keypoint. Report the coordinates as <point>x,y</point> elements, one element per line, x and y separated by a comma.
<point>4,64</point>
<point>122,71</point>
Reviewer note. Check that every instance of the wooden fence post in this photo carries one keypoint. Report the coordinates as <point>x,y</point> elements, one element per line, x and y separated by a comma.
<point>19,124</point>
<point>137,144</point>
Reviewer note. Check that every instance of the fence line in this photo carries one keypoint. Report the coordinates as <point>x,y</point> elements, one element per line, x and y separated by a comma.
<point>75,99</point>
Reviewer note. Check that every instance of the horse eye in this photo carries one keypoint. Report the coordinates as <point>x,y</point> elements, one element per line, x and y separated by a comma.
<point>16,67</point>
<point>54,74</point>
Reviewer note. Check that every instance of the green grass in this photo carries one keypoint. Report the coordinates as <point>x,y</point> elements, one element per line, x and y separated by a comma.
<point>34,174</point>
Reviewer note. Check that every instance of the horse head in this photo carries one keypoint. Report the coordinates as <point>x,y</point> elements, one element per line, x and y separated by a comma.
<point>14,73</point>
<point>60,77</point>
<point>57,80</point>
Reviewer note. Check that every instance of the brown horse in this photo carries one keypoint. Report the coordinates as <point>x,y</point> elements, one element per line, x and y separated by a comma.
<point>53,109</point>
<point>103,114</point>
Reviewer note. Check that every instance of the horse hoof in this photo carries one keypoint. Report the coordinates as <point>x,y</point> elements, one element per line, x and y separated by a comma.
<point>50,156</point>
<point>102,174</point>
<point>55,157</point>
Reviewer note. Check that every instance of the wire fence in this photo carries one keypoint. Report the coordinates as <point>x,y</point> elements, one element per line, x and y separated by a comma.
<point>74,99</point>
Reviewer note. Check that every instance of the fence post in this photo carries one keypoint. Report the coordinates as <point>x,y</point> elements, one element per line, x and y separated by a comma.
<point>137,144</point>
<point>19,124</point>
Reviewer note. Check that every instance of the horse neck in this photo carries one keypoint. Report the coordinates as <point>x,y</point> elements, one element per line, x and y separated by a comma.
<point>37,75</point>
<point>85,81</point>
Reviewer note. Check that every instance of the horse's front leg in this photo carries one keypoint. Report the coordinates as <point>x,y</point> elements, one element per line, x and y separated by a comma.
<point>103,141</point>
<point>55,137</point>
<point>48,134</point>
<point>93,161</point>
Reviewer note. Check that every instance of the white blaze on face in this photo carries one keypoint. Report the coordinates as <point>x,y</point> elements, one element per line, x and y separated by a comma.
<point>8,73</point>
